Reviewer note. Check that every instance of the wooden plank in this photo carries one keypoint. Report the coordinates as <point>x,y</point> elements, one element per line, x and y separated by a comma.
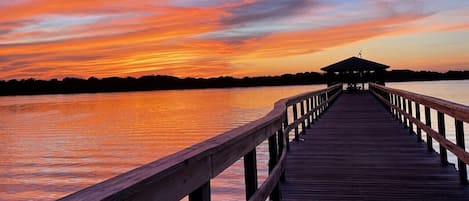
<point>358,151</point>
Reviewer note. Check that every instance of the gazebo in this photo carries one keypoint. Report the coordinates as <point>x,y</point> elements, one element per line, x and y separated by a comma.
<point>354,71</point>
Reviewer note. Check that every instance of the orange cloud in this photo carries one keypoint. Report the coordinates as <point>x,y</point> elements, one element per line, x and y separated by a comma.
<point>54,38</point>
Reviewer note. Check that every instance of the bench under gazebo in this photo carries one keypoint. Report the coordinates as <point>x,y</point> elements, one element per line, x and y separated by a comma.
<point>355,71</point>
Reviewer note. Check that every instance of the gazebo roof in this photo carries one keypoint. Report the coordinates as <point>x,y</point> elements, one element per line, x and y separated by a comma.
<point>354,64</point>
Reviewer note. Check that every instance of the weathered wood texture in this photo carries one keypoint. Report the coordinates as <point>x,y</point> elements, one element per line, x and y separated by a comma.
<point>358,151</point>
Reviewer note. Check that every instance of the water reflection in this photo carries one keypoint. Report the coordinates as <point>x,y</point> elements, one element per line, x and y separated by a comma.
<point>52,145</point>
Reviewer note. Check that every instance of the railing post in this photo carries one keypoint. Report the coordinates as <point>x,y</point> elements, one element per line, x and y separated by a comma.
<point>326,98</point>
<point>295,117</point>
<point>201,194</point>
<point>275,194</point>
<point>391,101</point>
<point>281,147</point>
<point>417,116</point>
<point>388,97</point>
<point>442,132</point>
<point>280,137</point>
<point>323,99</point>
<point>409,107</point>
<point>320,103</point>
<point>303,123</point>
<point>285,125</point>
<point>399,105</point>
<point>250,173</point>
<point>314,107</point>
<point>428,122</point>
<point>460,142</point>
<point>308,101</point>
<point>272,151</point>
<point>404,108</point>
<point>396,103</point>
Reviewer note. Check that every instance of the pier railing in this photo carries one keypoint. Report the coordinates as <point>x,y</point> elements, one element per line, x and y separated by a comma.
<point>188,172</point>
<point>406,107</point>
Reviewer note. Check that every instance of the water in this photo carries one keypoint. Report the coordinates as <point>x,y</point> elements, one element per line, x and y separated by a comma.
<point>53,145</point>
<point>454,90</point>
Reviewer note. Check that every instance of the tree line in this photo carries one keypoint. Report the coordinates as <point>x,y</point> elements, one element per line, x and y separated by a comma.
<point>162,82</point>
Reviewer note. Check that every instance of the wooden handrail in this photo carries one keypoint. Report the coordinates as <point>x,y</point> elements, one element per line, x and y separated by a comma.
<point>455,110</point>
<point>392,98</point>
<point>188,172</point>
<point>272,180</point>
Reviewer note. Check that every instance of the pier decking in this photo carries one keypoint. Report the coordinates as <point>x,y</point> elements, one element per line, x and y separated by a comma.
<point>358,151</point>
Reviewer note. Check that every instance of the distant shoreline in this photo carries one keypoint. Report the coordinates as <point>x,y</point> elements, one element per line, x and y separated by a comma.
<point>162,82</point>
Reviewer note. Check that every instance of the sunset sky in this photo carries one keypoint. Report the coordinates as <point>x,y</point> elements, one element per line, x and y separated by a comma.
<point>207,38</point>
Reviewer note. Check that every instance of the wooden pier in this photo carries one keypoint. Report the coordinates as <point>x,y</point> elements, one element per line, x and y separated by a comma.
<point>358,151</point>
<point>364,145</point>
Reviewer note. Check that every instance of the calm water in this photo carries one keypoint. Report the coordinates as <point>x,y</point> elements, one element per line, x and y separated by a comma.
<point>52,145</point>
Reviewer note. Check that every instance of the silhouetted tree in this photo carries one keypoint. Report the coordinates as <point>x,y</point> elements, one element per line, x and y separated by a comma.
<point>159,82</point>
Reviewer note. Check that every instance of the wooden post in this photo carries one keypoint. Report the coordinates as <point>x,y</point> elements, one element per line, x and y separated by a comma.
<point>281,136</point>
<point>326,98</point>
<point>428,122</point>
<point>417,116</point>
<point>303,112</point>
<point>285,125</point>
<point>388,97</point>
<point>272,151</point>
<point>317,106</point>
<point>295,117</point>
<point>275,194</point>
<point>250,173</point>
<point>318,111</point>
<point>409,108</point>
<point>404,108</point>
<point>391,101</point>
<point>460,142</point>
<point>399,105</point>
<point>320,103</point>
<point>201,194</point>
<point>396,103</point>
<point>314,107</point>
<point>308,109</point>
<point>323,100</point>
<point>442,132</point>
